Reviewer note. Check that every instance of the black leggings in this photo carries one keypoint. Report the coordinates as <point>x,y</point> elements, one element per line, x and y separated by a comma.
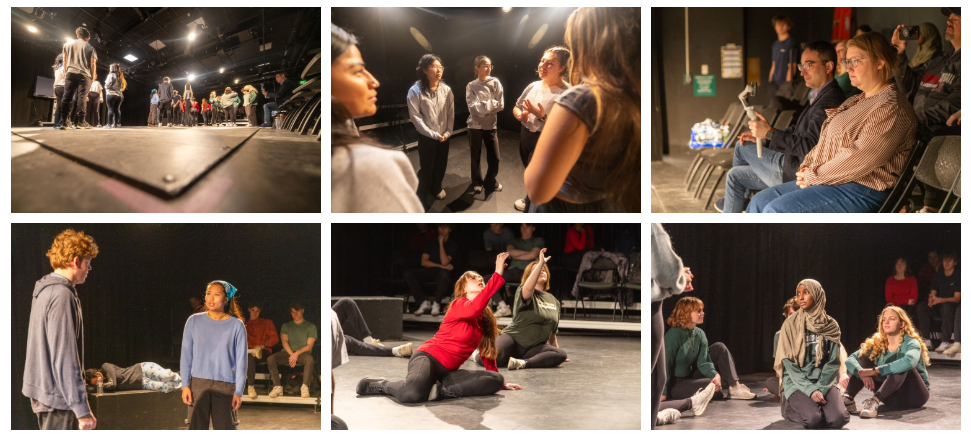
<point>114,116</point>
<point>166,107</point>
<point>684,387</point>
<point>352,322</point>
<point>491,140</point>
<point>541,356</point>
<point>424,371</point>
<point>658,373</point>
<point>904,390</point>
<point>800,408</point>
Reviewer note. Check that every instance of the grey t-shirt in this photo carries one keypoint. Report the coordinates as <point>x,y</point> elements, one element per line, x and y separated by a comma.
<point>77,57</point>
<point>586,180</point>
<point>537,94</point>
<point>497,242</point>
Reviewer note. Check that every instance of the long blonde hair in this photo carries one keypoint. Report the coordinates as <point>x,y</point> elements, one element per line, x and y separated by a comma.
<point>606,55</point>
<point>490,330</point>
<point>876,345</point>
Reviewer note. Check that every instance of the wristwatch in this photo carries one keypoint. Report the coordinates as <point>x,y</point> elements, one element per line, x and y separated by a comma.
<point>543,119</point>
<point>768,135</point>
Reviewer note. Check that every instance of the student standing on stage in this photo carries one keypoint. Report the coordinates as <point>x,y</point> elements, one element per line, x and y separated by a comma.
<point>58,87</point>
<point>177,107</point>
<point>165,95</point>
<point>206,112</point>
<point>80,60</point>
<point>227,100</point>
<point>431,106</point>
<point>217,108</point>
<point>484,98</point>
<point>249,105</point>
<point>121,95</point>
<point>94,104</point>
<point>113,85</point>
<point>153,113</point>
<point>536,100</point>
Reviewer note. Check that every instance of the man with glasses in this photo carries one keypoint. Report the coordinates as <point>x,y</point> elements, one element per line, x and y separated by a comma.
<point>934,88</point>
<point>784,150</point>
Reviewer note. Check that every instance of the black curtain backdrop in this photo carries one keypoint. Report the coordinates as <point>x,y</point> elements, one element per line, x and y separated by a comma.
<point>744,273</point>
<point>135,300</point>
<point>361,254</point>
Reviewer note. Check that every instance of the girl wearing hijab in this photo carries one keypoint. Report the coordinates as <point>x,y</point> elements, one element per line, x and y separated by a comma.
<point>214,361</point>
<point>808,359</point>
<point>891,363</point>
<point>929,45</point>
<point>690,363</point>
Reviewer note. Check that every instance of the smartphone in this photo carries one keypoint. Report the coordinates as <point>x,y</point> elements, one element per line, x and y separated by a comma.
<point>909,33</point>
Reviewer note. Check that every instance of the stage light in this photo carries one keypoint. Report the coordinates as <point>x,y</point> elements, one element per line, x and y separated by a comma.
<point>221,70</point>
<point>236,81</point>
<point>538,36</point>
<point>421,39</point>
<point>506,9</point>
<point>32,29</point>
<point>192,36</point>
<point>131,58</point>
<point>68,39</point>
<point>191,77</point>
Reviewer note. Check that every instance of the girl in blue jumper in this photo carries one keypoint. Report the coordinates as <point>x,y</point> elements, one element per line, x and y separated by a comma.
<point>214,360</point>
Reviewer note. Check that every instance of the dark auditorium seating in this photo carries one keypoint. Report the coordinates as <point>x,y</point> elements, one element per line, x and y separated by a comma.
<point>939,166</point>
<point>301,113</point>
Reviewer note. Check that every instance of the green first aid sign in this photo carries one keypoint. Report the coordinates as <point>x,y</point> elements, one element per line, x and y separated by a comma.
<point>704,85</point>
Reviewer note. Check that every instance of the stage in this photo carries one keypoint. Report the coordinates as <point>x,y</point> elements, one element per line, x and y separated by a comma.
<point>177,169</point>
<point>600,388</point>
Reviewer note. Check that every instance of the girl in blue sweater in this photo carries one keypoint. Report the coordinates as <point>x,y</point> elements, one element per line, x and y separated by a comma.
<point>214,360</point>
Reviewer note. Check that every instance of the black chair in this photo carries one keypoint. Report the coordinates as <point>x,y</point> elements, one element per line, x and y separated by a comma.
<point>801,93</point>
<point>633,280</point>
<point>601,265</point>
<point>939,167</point>
<point>719,155</point>
<point>900,193</point>
<point>400,262</point>
<point>955,190</point>
<point>734,117</point>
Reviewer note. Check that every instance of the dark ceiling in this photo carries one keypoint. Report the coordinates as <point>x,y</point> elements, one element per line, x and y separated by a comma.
<point>228,38</point>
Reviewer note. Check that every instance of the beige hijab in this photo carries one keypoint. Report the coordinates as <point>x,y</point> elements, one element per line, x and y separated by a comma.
<point>931,47</point>
<point>792,340</point>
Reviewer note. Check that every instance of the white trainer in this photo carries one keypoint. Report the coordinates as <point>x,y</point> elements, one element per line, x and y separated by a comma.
<point>668,416</point>
<point>425,306</point>
<point>436,309</point>
<point>251,391</point>
<point>276,392</point>
<point>503,309</point>
<point>516,364</point>
<point>304,391</point>
<point>955,348</point>
<point>942,347</point>
<point>699,401</point>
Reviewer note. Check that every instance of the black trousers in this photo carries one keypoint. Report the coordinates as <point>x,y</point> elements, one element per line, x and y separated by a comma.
<point>947,311</point>
<point>166,107</point>
<point>212,400</point>
<point>114,116</point>
<point>684,387</point>
<point>432,159</point>
<point>800,408</point>
<point>57,420</point>
<point>527,145</point>
<point>250,369</point>
<point>415,277</point>
<point>540,356</point>
<point>352,322</point>
<point>424,371</point>
<point>904,390</point>
<point>72,83</point>
<point>491,139</point>
<point>94,109</point>
<point>658,373</point>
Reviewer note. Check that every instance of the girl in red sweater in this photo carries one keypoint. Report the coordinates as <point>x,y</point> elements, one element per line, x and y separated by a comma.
<point>433,371</point>
<point>901,289</point>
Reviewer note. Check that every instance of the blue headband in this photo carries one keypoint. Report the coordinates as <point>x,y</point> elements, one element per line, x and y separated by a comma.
<point>230,290</point>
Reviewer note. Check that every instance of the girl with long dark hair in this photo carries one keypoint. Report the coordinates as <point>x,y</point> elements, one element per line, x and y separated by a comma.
<point>433,371</point>
<point>114,86</point>
<point>365,176</point>
<point>431,106</point>
<point>484,98</point>
<point>589,158</point>
<point>213,361</point>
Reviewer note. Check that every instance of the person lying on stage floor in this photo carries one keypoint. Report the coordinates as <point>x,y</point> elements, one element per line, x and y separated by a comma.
<point>433,371</point>
<point>436,265</point>
<point>146,375</point>
<point>261,337</point>
<point>55,338</point>
<point>944,300</point>
<point>529,341</point>
<point>689,362</point>
<point>588,158</point>
<point>298,338</point>
<point>785,149</point>
<point>863,145</point>
<point>338,357</point>
<point>808,359</point>
<point>355,158</point>
<point>213,363</point>
<point>670,410</point>
<point>892,363</point>
<point>772,383</point>
<point>358,336</point>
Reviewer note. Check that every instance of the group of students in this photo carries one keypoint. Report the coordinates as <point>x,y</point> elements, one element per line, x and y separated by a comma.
<point>469,329</point>
<point>219,349</point>
<point>78,94</point>
<point>831,159</point>
<point>588,161</point>
<point>184,110</point>
<point>814,377</point>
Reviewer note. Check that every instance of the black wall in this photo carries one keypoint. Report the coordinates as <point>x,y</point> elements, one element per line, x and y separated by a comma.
<point>361,254</point>
<point>744,273</point>
<point>135,300</point>
<point>457,35</point>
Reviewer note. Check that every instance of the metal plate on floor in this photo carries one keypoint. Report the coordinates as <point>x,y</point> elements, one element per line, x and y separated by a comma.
<point>164,161</point>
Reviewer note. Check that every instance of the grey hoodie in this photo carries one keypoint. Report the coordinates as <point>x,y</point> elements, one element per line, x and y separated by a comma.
<point>485,102</point>
<point>54,372</point>
<point>667,271</point>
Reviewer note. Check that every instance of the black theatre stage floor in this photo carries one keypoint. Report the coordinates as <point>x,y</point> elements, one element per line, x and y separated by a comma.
<point>143,169</point>
<point>942,411</point>
<point>459,196</point>
<point>600,388</point>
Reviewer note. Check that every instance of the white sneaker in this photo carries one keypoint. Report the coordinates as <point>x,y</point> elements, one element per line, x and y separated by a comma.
<point>425,306</point>
<point>516,364</point>
<point>503,309</point>
<point>372,341</point>
<point>740,391</point>
<point>436,309</point>
<point>520,204</point>
<point>942,347</point>
<point>304,391</point>
<point>668,416</point>
<point>699,401</point>
<point>276,392</point>
<point>251,391</point>
<point>928,343</point>
<point>955,348</point>
<point>441,195</point>
<point>405,350</point>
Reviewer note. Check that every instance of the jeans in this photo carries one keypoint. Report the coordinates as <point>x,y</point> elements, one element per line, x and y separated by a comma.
<point>72,83</point>
<point>749,172</point>
<point>844,198</point>
<point>268,111</point>
<point>948,311</point>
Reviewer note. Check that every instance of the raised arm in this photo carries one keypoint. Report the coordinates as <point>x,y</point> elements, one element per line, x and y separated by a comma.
<point>466,309</point>
<point>534,276</point>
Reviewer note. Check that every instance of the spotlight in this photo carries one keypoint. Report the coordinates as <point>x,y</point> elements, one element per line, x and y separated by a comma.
<point>236,81</point>
<point>32,29</point>
<point>221,69</point>
<point>506,9</point>
<point>191,77</point>
<point>192,36</point>
<point>131,58</point>
<point>68,39</point>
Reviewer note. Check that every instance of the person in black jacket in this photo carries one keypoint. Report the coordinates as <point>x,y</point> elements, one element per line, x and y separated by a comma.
<point>165,94</point>
<point>281,96</point>
<point>146,375</point>
<point>784,150</point>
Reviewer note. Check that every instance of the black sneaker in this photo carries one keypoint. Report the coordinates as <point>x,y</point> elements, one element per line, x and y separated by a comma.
<point>371,386</point>
<point>439,392</point>
<point>720,205</point>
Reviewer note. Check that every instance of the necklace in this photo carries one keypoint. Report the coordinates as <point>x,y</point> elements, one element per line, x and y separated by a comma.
<point>216,319</point>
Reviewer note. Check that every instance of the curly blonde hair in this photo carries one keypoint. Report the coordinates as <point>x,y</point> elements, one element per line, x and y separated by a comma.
<point>529,270</point>
<point>791,304</point>
<point>681,316</point>
<point>876,345</point>
<point>490,330</point>
<point>70,244</point>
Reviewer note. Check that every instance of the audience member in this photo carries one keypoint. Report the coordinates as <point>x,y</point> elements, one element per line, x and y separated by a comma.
<point>436,265</point>
<point>944,300</point>
<point>521,251</point>
<point>282,95</point>
<point>843,76</point>
<point>298,338</point>
<point>783,68</point>
<point>497,237</point>
<point>862,29</point>
<point>579,239</point>
<point>261,337</point>
<point>901,288</point>
<point>422,235</point>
